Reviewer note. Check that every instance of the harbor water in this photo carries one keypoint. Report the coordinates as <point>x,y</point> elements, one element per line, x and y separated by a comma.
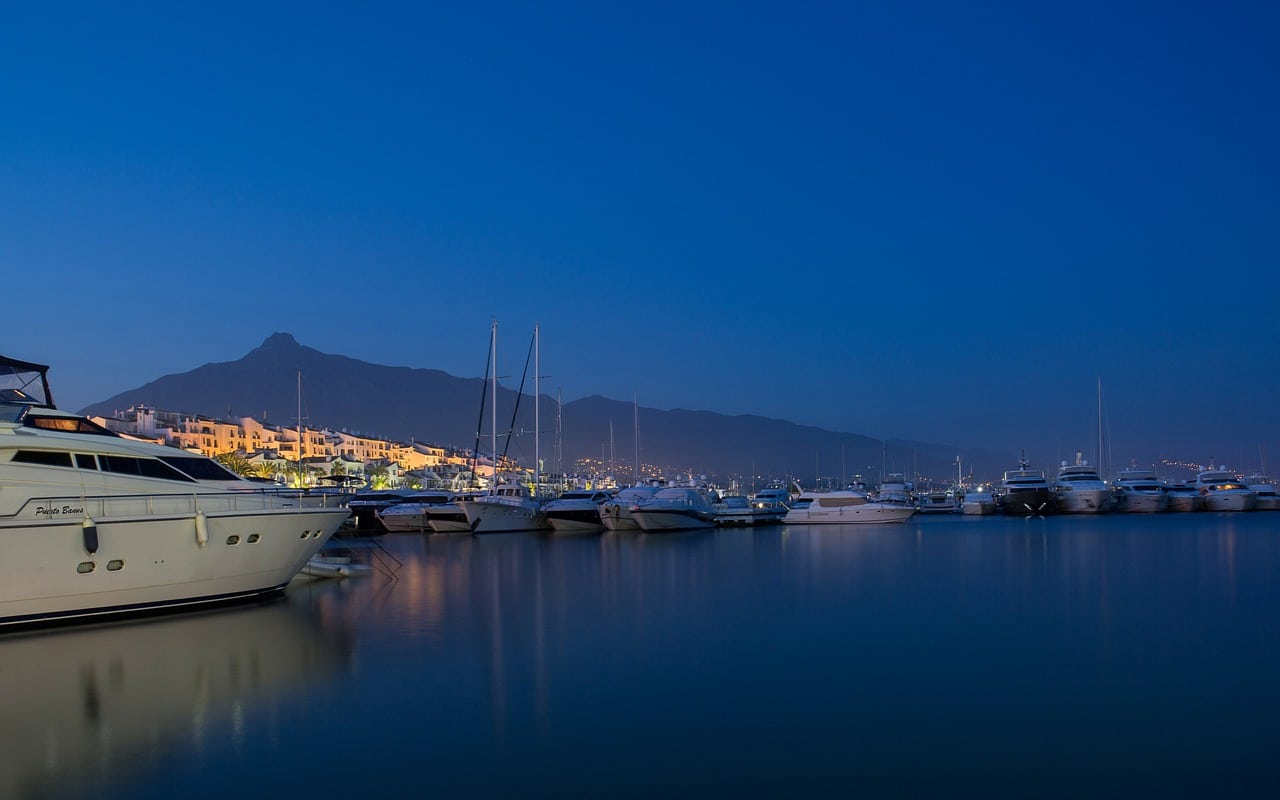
<point>1045,657</point>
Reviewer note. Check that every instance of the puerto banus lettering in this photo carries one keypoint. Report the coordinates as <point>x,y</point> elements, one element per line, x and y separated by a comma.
<point>57,511</point>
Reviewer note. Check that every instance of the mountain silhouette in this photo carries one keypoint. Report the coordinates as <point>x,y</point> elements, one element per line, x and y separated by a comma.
<point>281,380</point>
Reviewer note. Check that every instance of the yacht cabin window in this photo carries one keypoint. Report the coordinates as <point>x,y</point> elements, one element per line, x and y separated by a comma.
<point>67,424</point>
<point>47,458</point>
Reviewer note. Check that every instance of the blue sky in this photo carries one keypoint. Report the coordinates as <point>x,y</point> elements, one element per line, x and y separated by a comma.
<point>939,221</point>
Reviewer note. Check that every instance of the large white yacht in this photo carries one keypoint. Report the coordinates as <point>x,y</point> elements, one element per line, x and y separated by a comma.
<point>1080,490</point>
<point>94,524</point>
<point>1025,491</point>
<point>1183,496</point>
<point>1139,491</point>
<point>1223,491</point>
<point>978,501</point>
<point>844,507</point>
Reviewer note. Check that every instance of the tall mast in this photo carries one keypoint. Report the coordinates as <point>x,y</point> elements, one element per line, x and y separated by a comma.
<point>635,411</point>
<point>299,423</point>
<point>493,407</point>
<point>537,396</point>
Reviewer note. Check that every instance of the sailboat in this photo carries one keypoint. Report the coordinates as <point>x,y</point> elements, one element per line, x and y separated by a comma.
<point>507,507</point>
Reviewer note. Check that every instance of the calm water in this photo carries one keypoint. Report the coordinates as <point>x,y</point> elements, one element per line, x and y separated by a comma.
<point>1115,656</point>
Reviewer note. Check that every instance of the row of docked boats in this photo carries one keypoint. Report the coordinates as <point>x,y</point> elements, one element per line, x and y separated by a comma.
<point>1079,489</point>
<point>649,507</point>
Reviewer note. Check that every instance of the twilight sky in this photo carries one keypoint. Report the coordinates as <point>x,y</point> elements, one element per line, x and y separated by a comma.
<point>927,220</point>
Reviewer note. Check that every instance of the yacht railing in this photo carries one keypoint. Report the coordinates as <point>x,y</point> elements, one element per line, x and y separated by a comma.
<point>76,507</point>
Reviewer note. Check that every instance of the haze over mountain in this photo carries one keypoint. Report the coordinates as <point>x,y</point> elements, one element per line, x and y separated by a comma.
<point>282,379</point>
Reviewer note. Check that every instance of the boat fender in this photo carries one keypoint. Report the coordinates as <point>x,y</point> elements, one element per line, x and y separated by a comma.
<point>202,529</point>
<point>89,529</point>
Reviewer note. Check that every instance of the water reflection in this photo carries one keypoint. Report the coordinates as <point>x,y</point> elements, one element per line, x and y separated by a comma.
<point>85,709</point>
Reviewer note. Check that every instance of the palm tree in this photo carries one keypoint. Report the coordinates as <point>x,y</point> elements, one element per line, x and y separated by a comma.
<point>235,461</point>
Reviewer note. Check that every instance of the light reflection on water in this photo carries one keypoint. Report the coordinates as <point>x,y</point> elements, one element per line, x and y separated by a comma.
<point>1009,657</point>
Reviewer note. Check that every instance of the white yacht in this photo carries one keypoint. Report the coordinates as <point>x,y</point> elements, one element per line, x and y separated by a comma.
<point>1264,490</point>
<point>449,517</point>
<point>94,524</point>
<point>615,513</point>
<point>1182,496</point>
<point>978,501</point>
<point>939,501</point>
<point>895,490</point>
<point>507,509</point>
<point>1223,491</point>
<point>1080,490</point>
<point>414,513</point>
<point>1139,491</point>
<point>576,511</point>
<point>844,507</point>
<point>1025,491</point>
<point>675,508</point>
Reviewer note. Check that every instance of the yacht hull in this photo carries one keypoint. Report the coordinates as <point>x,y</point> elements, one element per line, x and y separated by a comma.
<point>149,563</point>
<point>576,521</point>
<point>1084,501</point>
<point>870,513</point>
<point>1141,502</point>
<point>617,517</point>
<point>1229,501</point>
<point>658,520</point>
<point>1037,501</point>
<point>502,517</point>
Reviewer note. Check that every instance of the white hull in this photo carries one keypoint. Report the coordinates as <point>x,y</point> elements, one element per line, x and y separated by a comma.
<point>567,525</point>
<point>1268,502</point>
<point>1185,502</point>
<point>617,517</point>
<point>497,515</point>
<point>872,513</point>
<point>659,520</point>
<point>978,507</point>
<point>1141,503</point>
<point>1084,501</point>
<point>414,522</point>
<point>1229,501</point>
<point>152,561</point>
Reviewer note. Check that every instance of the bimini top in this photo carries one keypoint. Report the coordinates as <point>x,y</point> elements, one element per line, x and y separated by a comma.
<point>24,382</point>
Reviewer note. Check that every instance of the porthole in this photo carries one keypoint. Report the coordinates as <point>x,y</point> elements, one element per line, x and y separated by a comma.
<point>233,539</point>
<point>115,565</point>
<point>253,537</point>
<point>85,567</point>
<point>305,535</point>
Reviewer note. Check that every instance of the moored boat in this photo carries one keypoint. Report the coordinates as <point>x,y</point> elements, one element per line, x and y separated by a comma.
<point>1182,497</point>
<point>1080,490</point>
<point>576,511</point>
<point>507,509</point>
<point>615,513</point>
<point>1264,491</point>
<point>1025,491</point>
<point>414,513</point>
<point>675,508</point>
<point>978,501</point>
<point>1222,490</point>
<point>1138,491</point>
<point>844,507</point>
<point>93,524</point>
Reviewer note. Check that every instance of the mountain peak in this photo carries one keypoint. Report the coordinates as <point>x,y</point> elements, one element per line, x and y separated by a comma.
<point>279,340</point>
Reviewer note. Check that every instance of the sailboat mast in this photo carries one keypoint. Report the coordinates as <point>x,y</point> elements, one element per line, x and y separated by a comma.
<point>635,411</point>
<point>299,422</point>
<point>493,407</point>
<point>537,396</point>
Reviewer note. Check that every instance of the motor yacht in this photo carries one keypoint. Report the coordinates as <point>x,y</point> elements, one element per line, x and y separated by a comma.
<point>576,511</point>
<point>675,508</point>
<point>938,501</point>
<point>1139,491</point>
<point>506,509</point>
<point>414,513</point>
<point>1264,490</point>
<point>1182,496</point>
<point>844,507</point>
<point>1223,491</point>
<point>93,524</point>
<point>895,490</point>
<point>1080,490</point>
<point>615,513</point>
<point>978,501</point>
<point>1025,491</point>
